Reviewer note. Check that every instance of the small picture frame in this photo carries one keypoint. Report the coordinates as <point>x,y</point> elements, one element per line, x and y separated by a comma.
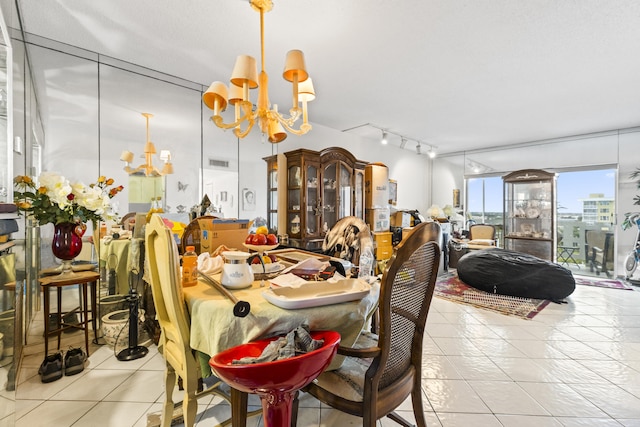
<point>248,199</point>
<point>393,192</point>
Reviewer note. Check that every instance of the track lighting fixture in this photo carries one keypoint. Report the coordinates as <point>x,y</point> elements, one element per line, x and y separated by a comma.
<point>403,139</point>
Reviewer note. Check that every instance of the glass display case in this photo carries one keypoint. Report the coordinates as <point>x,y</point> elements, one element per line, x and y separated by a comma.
<point>530,213</point>
<point>272,193</point>
<point>322,187</point>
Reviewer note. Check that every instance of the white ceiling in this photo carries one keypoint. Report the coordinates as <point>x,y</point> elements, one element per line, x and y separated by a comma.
<point>457,74</point>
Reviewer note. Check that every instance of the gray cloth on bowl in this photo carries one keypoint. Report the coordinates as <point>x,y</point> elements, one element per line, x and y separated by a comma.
<point>298,341</point>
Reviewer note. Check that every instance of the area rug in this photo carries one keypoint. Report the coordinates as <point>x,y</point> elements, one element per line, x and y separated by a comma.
<point>602,283</point>
<point>451,288</point>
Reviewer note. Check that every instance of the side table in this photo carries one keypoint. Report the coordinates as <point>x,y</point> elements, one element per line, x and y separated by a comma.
<point>83,279</point>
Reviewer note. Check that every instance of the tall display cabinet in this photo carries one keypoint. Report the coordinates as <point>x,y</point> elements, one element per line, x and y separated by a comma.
<point>321,188</point>
<point>530,213</point>
<point>272,193</point>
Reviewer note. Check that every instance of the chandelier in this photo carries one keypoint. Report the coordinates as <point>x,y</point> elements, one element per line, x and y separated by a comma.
<point>245,77</point>
<point>149,150</point>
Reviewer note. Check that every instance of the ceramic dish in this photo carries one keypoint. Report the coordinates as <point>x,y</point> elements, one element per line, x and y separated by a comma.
<point>314,294</point>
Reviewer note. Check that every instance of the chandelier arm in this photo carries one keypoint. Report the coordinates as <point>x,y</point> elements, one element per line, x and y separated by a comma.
<point>241,134</point>
<point>294,115</point>
<point>304,128</point>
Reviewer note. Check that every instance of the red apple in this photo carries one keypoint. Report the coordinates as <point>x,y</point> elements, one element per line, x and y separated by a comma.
<point>260,239</point>
<point>255,260</point>
<point>272,239</point>
<point>248,239</point>
<point>273,258</point>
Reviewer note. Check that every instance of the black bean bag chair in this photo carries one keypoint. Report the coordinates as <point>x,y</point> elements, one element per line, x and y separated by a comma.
<point>513,273</point>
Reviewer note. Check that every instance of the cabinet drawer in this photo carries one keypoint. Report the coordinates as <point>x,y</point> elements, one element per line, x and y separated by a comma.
<point>384,252</point>
<point>383,238</point>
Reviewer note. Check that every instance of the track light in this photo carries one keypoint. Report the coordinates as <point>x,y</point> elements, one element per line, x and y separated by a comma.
<point>418,150</point>
<point>431,153</point>
<point>384,138</point>
<point>403,142</point>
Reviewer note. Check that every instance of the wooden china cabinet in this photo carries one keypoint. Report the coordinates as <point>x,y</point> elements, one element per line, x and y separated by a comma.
<point>272,193</point>
<point>321,188</point>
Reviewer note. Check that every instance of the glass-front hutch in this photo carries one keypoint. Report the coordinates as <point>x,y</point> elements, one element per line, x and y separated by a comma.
<point>322,187</point>
<point>272,193</point>
<point>530,213</point>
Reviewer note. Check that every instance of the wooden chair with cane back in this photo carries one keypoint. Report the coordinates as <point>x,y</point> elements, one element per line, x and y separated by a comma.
<point>381,371</point>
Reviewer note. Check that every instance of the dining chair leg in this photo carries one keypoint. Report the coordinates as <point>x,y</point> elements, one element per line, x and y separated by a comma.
<point>238,408</point>
<point>169,384</point>
<point>294,409</point>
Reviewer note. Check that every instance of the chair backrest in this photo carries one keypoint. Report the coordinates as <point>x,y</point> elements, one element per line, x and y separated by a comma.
<point>406,291</point>
<point>347,238</point>
<point>603,242</point>
<point>482,231</point>
<point>164,274</point>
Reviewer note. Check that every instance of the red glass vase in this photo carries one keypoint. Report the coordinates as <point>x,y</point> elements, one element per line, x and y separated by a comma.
<point>67,243</point>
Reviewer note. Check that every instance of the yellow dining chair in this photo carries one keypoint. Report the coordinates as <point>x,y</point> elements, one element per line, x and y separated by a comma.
<point>172,314</point>
<point>381,371</point>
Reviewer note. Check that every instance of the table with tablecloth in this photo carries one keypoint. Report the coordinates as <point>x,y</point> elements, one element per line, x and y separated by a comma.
<point>114,255</point>
<point>215,328</point>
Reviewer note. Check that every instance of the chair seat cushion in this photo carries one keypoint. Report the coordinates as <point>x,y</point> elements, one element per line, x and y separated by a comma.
<point>517,274</point>
<point>483,242</point>
<point>347,382</point>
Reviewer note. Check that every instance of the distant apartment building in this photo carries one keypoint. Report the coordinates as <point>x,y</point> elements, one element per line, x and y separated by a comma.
<point>597,209</point>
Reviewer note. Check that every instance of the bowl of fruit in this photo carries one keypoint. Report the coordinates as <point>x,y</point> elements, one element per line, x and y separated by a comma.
<point>264,266</point>
<point>261,240</point>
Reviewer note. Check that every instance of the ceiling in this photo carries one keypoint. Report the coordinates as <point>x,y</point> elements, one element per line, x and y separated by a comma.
<point>455,74</point>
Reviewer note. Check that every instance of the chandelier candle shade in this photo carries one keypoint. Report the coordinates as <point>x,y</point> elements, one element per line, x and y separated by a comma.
<point>245,77</point>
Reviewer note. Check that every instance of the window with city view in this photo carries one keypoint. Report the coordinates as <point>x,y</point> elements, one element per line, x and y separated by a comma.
<point>585,206</point>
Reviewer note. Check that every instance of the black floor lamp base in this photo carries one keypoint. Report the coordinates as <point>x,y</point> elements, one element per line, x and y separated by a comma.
<point>132,353</point>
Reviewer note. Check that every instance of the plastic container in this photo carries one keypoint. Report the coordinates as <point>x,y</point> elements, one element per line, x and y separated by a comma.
<point>365,264</point>
<point>189,267</point>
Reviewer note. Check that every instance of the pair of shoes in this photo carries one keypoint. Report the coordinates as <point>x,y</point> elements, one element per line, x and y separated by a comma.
<point>74,361</point>
<point>51,368</point>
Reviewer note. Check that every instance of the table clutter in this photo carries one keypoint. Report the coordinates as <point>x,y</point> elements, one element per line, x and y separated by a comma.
<point>224,316</point>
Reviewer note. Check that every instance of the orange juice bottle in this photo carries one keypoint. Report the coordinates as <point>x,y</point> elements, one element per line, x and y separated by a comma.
<point>189,267</point>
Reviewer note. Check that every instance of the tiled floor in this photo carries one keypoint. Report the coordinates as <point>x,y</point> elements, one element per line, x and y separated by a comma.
<point>576,364</point>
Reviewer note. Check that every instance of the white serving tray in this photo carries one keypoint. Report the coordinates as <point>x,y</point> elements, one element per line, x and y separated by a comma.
<point>315,294</point>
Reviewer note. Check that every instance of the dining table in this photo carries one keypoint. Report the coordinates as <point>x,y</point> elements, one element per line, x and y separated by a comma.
<point>215,328</point>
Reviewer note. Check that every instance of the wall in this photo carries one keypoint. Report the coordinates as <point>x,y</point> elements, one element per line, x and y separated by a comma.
<point>91,109</point>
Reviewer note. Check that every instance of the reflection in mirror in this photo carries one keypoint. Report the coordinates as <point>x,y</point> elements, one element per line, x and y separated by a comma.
<point>175,126</point>
<point>11,284</point>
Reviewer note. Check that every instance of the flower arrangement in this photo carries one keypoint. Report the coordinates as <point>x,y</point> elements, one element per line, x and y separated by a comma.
<point>56,200</point>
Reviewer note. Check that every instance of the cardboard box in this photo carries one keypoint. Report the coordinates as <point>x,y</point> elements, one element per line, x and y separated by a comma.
<point>376,186</point>
<point>401,219</point>
<point>228,232</point>
<point>377,219</point>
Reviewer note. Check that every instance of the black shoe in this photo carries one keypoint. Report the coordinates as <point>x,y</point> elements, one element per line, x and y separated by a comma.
<point>74,361</point>
<point>51,368</point>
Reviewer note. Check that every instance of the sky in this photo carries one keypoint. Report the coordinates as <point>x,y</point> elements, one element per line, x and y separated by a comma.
<point>570,188</point>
